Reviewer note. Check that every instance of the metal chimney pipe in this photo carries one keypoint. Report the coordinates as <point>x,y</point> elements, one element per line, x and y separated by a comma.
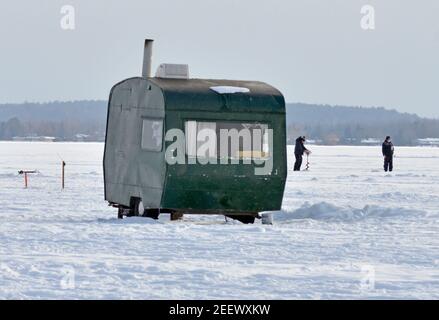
<point>147,58</point>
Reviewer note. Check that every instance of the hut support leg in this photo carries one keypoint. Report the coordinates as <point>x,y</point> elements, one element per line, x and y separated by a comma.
<point>267,218</point>
<point>176,216</point>
<point>243,218</point>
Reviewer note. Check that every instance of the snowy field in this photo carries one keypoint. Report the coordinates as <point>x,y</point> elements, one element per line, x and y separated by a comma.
<point>347,230</point>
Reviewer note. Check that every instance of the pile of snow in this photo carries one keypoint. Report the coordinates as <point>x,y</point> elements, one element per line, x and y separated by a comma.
<point>229,89</point>
<point>327,211</point>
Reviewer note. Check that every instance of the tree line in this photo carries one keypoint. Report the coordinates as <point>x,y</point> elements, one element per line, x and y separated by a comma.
<point>331,125</point>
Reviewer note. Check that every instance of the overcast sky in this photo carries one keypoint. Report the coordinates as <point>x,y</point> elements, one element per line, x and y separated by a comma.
<point>312,50</point>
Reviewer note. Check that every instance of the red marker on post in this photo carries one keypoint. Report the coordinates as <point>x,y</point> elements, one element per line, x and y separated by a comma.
<point>25,173</point>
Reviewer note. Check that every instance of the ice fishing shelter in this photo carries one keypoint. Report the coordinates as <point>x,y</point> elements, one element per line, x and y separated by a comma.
<point>140,179</point>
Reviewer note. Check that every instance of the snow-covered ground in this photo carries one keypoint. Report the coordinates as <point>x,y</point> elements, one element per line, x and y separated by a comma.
<point>347,230</point>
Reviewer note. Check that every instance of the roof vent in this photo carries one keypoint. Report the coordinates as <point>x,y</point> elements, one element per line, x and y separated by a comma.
<point>173,71</point>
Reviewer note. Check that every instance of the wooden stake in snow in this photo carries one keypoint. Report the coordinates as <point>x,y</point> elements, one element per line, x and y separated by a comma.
<point>63,164</point>
<point>25,173</point>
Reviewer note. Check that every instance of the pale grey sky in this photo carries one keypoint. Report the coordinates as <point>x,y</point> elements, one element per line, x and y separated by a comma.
<point>312,50</point>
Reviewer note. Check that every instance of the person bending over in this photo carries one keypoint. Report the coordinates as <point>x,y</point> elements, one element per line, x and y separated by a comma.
<point>299,150</point>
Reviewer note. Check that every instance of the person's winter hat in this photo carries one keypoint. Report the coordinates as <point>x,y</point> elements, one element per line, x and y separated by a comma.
<point>387,138</point>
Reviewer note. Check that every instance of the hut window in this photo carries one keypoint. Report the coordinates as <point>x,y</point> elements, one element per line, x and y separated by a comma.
<point>252,142</point>
<point>152,134</point>
<point>250,139</point>
<point>199,133</point>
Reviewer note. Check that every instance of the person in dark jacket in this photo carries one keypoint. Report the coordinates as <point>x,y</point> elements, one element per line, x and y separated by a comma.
<point>299,150</point>
<point>388,150</point>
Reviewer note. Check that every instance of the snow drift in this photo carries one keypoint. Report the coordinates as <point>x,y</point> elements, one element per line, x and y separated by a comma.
<point>327,211</point>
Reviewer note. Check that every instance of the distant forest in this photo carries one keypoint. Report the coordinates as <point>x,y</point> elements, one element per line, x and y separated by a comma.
<point>86,120</point>
<point>351,125</point>
<point>65,121</point>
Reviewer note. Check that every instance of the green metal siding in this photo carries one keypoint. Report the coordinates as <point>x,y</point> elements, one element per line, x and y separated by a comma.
<point>195,94</point>
<point>233,187</point>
